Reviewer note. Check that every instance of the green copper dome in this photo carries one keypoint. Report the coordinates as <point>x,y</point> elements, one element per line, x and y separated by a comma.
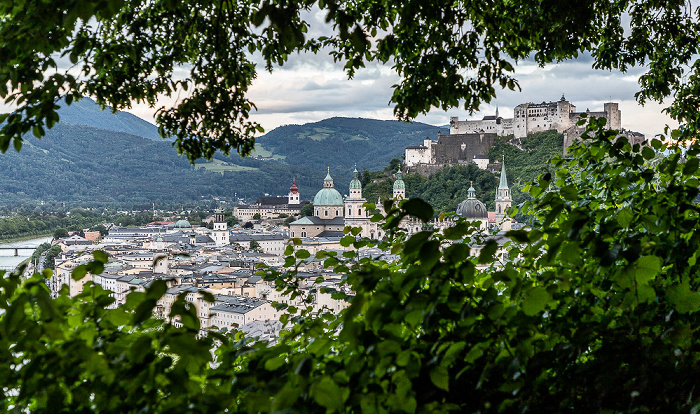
<point>328,197</point>
<point>183,224</point>
<point>355,184</point>
<point>399,184</point>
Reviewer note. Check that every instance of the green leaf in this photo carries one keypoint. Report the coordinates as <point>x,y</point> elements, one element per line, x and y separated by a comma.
<point>519,236</point>
<point>157,289</point>
<point>328,394</point>
<point>100,256</point>
<point>646,268</point>
<point>487,252</point>
<point>273,363</point>
<point>625,216</point>
<point>648,153</point>
<point>302,254</point>
<point>440,377</point>
<point>682,298</point>
<point>535,301</point>
<point>207,296</point>
<point>79,272</point>
<point>418,208</point>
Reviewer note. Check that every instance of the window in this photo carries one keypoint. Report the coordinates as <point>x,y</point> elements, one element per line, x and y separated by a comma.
<point>326,212</point>
<point>359,211</point>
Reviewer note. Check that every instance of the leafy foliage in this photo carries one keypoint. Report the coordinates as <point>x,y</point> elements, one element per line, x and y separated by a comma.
<point>594,309</point>
<point>129,50</point>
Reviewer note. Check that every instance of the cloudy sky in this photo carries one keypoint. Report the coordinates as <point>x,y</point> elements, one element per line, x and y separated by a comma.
<point>311,88</point>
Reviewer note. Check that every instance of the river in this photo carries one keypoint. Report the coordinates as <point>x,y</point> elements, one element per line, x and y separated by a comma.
<point>9,261</point>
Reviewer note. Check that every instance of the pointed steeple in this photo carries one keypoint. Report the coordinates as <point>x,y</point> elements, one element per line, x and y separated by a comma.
<point>496,112</point>
<point>503,185</point>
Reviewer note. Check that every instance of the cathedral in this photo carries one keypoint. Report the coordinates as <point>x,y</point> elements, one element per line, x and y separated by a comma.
<point>332,213</point>
<point>474,210</point>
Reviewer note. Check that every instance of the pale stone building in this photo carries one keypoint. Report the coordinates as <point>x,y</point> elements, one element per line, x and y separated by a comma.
<point>469,139</point>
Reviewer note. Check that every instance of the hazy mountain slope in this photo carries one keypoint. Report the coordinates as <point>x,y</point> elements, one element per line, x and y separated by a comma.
<point>84,165</point>
<point>87,112</point>
<point>88,166</point>
<point>342,142</point>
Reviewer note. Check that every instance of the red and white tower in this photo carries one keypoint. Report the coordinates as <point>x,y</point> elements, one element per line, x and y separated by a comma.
<point>293,195</point>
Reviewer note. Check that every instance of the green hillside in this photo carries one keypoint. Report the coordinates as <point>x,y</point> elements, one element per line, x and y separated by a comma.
<point>80,165</point>
<point>343,142</point>
<point>445,189</point>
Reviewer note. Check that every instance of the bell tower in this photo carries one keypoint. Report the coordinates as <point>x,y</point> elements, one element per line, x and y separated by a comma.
<point>293,196</point>
<point>220,233</point>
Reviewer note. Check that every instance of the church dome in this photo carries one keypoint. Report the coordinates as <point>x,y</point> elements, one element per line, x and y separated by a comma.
<point>471,208</point>
<point>183,224</point>
<point>294,189</point>
<point>328,195</point>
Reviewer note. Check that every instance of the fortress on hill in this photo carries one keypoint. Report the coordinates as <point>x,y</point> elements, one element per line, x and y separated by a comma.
<point>470,140</point>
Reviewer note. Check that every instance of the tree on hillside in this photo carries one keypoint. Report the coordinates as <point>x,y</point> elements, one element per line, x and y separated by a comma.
<point>307,210</point>
<point>50,258</point>
<point>60,233</point>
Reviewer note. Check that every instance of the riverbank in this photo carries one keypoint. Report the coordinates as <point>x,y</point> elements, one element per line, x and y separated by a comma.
<point>24,238</point>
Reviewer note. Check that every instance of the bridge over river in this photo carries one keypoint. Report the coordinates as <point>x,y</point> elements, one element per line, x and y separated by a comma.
<point>17,250</point>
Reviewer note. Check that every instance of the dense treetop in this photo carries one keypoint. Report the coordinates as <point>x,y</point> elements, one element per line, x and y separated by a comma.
<point>594,309</point>
<point>447,54</point>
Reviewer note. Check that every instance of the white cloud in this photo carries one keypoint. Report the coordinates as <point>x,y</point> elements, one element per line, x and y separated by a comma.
<point>311,87</point>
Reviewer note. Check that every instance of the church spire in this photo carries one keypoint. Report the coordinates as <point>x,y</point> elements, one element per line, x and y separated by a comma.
<point>399,191</point>
<point>503,185</point>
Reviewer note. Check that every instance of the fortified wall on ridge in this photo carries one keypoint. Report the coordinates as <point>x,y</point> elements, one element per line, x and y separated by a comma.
<point>471,140</point>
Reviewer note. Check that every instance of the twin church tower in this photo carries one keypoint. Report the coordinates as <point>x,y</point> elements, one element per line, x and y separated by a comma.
<point>332,213</point>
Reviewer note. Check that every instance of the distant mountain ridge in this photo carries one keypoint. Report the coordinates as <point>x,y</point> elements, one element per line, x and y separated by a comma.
<point>87,112</point>
<point>343,142</point>
<point>95,157</point>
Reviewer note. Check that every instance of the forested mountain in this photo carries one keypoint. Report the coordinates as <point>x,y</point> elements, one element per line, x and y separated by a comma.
<point>96,158</point>
<point>342,142</point>
<point>86,166</point>
<point>87,112</point>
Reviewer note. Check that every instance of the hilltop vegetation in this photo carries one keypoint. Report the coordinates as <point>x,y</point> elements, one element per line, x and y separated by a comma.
<point>445,189</point>
<point>344,142</point>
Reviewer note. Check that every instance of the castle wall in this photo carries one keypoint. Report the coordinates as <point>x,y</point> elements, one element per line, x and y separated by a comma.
<point>476,137</point>
<point>461,148</point>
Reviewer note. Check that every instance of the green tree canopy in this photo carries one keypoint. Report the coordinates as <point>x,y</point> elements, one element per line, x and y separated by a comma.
<point>60,233</point>
<point>307,210</point>
<point>446,54</point>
